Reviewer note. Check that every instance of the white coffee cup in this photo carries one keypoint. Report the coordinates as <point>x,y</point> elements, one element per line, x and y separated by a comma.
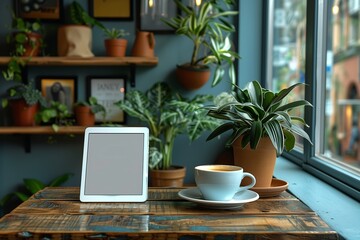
<point>221,182</point>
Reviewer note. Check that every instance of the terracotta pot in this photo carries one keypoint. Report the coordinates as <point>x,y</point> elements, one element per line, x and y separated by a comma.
<point>173,177</point>
<point>192,78</point>
<point>74,41</point>
<point>260,162</point>
<point>22,114</point>
<point>33,45</point>
<point>84,116</point>
<point>116,47</point>
<point>144,45</point>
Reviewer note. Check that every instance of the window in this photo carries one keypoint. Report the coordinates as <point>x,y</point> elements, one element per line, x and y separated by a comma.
<point>318,42</point>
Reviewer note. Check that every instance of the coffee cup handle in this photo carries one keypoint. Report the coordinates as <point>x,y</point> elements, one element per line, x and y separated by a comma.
<point>253,182</point>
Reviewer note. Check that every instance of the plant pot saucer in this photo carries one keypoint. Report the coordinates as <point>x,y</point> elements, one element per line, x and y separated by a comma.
<point>277,187</point>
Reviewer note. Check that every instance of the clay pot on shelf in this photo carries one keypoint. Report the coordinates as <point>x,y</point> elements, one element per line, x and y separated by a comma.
<point>33,45</point>
<point>116,47</point>
<point>23,114</point>
<point>84,116</point>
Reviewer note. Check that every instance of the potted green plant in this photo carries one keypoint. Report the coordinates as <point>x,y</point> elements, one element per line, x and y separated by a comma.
<point>262,126</point>
<point>56,114</point>
<point>23,100</point>
<point>75,39</point>
<point>85,111</point>
<point>115,43</point>
<point>26,39</point>
<point>209,30</point>
<point>167,115</point>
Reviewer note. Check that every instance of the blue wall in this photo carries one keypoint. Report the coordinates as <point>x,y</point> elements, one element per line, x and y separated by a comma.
<point>48,160</point>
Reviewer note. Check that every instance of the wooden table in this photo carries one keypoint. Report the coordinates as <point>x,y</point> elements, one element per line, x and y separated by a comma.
<point>57,213</point>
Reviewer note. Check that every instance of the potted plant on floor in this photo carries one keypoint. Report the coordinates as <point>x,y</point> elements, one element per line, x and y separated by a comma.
<point>23,100</point>
<point>208,29</point>
<point>262,126</point>
<point>85,111</point>
<point>115,43</point>
<point>167,115</point>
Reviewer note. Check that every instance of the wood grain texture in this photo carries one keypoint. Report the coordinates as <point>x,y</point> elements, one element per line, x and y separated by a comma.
<point>56,213</point>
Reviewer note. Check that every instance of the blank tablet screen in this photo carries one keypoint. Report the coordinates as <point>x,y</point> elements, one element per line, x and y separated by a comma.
<point>115,164</point>
<point>113,158</point>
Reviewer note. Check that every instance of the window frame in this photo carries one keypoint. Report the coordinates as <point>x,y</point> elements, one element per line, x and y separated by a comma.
<point>315,63</point>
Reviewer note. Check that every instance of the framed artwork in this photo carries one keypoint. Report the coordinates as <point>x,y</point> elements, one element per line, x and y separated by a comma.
<point>107,91</point>
<point>150,13</point>
<point>111,9</point>
<point>51,10</point>
<point>60,89</point>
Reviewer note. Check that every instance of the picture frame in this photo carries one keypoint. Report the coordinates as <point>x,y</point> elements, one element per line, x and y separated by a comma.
<point>48,10</point>
<point>111,9</point>
<point>59,88</point>
<point>108,90</point>
<point>149,18</point>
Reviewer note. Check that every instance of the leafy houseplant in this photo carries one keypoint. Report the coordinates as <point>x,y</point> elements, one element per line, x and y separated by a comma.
<point>254,114</point>
<point>26,39</point>
<point>23,100</point>
<point>85,111</point>
<point>209,31</point>
<point>114,33</point>
<point>115,44</point>
<point>167,115</point>
<point>55,113</point>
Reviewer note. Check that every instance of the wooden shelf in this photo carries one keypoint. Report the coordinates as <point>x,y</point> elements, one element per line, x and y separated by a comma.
<point>42,130</point>
<point>93,61</point>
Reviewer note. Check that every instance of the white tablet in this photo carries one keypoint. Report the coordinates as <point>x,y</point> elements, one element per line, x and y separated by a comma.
<point>115,164</point>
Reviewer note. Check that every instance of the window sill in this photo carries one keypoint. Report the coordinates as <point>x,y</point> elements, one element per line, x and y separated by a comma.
<point>340,211</point>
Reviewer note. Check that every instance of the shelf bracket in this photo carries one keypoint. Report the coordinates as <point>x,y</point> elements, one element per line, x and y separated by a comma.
<point>132,75</point>
<point>27,143</point>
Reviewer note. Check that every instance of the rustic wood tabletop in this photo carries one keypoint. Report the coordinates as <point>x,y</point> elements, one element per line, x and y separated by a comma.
<point>57,213</point>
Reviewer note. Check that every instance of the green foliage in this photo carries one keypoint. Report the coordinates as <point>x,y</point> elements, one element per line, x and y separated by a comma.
<point>209,30</point>
<point>19,38</point>
<point>95,106</point>
<point>79,16</point>
<point>256,112</point>
<point>167,114</point>
<point>27,92</point>
<point>32,186</point>
<point>55,113</point>
<point>115,33</point>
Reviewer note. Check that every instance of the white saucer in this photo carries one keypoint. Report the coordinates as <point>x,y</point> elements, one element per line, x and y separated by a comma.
<point>194,195</point>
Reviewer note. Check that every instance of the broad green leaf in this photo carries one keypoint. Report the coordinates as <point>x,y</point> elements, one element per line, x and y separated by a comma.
<point>255,93</point>
<point>276,135</point>
<point>289,140</point>
<point>22,196</point>
<point>58,181</point>
<point>283,93</point>
<point>255,134</point>
<point>219,130</point>
<point>291,105</point>
<point>33,185</point>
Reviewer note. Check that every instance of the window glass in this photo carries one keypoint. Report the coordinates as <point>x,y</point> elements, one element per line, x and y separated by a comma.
<point>288,50</point>
<point>342,98</point>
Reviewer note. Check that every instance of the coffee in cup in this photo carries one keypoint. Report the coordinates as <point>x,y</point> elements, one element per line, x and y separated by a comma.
<point>221,182</point>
